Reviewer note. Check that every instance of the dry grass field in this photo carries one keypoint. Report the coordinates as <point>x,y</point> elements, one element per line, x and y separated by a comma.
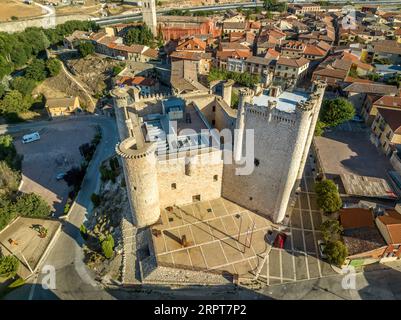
<point>18,9</point>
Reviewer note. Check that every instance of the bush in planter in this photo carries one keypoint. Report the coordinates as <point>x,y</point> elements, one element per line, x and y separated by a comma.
<point>328,198</point>
<point>8,266</point>
<point>336,252</point>
<point>84,232</point>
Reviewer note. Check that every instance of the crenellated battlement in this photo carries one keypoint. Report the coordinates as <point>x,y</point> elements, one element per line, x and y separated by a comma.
<point>128,149</point>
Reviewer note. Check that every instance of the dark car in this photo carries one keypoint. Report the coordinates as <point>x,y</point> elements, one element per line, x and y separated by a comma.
<point>280,240</point>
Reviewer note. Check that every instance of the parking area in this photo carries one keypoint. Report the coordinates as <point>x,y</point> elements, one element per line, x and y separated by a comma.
<point>347,149</point>
<point>22,239</point>
<point>57,151</point>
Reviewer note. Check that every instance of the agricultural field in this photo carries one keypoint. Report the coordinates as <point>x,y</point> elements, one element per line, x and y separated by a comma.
<point>14,10</point>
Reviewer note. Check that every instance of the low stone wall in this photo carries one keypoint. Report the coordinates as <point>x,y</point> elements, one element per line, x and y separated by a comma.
<point>44,22</point>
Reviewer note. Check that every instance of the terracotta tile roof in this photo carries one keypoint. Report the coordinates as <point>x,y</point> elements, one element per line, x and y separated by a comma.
<point>375,88</point>
<point>389,101</point>
<point>234,25</point>
<point>292,62</point>
<point>332,73</point>
<point>352,80</point>
<point>224,55</point>
<point>60,102</point>
<point>393,225</point>
<point>271,53</point>
<point>136,81</point>
<point>356,218</point>
<point>151,53</point>
<point>315,51</point>
<point>392,118</point>
<point>187,55</point>
<point>192,44</point>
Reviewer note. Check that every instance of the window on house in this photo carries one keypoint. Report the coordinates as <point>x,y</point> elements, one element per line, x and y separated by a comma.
<point>214,108</point>
<point>173,186</point>
<point>196,198</point>
<point>215,177</point>
<point>256,162</point>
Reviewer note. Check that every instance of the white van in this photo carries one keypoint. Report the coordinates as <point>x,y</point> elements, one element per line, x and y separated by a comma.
<point>30,137</point>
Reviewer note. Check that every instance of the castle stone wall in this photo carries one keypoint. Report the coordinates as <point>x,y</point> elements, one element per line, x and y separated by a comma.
<point>192,176</point>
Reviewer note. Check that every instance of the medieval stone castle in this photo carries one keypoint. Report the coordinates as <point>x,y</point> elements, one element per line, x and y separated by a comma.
<point>173,153</point>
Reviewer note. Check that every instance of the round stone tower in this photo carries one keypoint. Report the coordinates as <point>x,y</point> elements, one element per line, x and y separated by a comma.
<point>141,176</point>
<point>245,96</point>
<point>303,114</point>
<point>227,91</point>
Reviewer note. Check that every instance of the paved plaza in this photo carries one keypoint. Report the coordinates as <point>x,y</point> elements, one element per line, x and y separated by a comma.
<point>20,239</point>
<point>219,238</point>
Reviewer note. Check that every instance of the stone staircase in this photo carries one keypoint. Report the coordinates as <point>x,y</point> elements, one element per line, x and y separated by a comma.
<point>129,232</point>
<point>157,134</point>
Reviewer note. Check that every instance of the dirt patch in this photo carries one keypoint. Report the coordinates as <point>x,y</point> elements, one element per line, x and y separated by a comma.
<point>10,8</point>
<point>91,7</point>
<point>62,86</point>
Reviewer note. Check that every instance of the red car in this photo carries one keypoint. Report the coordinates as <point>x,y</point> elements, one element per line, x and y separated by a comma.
<point>280,240</point>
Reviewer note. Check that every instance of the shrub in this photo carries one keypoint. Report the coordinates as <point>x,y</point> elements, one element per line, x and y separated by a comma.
<point>9,179</point>
<point>328,197</point>
<point>331,230</point>
<point>336,252</point>
<point>8,266</point>
<point>85,49</point>
<point>83,231</point>
<point>108,246</point>
<point>32,205</point>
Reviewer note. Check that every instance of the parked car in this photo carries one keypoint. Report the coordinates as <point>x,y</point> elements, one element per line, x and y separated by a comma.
<point>280,240</point>
<point>31,137</point>
<point>357,119</point>
<point>60,176</point>
<point>321,246</point>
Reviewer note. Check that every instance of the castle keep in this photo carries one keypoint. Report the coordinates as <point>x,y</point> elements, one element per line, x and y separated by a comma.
<point>173,155</point>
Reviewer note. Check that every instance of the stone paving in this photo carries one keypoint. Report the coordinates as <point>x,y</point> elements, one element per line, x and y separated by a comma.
<point>219,237</point>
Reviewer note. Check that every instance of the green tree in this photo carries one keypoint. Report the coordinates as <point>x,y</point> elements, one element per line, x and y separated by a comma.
<point>331,230</point>
<point>336,111</point>
<point>117,69</point>
<point>7,211</point>
<point>8,266</point>
<point>234,99</point>
<point>13,102</point>
<point>2,90</point>
<point>328,198</point>
<point>32,205</point>
<point>36,70</point>
<point>9,179</point>
<point>319,129</point>
<point>86,48</point>
<point>53,67</point>
<point>108,246</point>
<point>5,67</point>
<point>139,35</point>
<point>24,85</point>
<point>8,153</point>
<point>336,252</point>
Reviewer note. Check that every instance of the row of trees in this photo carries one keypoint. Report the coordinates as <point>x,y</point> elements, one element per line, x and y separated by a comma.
<point>17,49</point>
<point>244,79</point>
